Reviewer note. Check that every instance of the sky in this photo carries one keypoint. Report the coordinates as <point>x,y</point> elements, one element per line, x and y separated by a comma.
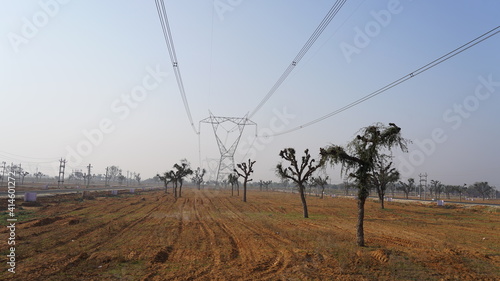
<point>92,82</point>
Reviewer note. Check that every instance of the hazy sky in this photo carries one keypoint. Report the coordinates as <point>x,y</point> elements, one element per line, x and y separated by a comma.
<point>92,81</point>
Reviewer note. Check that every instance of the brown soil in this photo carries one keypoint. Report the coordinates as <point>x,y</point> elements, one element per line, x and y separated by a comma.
<point>209,235</point>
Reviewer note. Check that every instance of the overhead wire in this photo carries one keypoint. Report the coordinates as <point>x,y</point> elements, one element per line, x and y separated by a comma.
<point>416,72</point>
<point>312,39</point>
<point>162,14</point>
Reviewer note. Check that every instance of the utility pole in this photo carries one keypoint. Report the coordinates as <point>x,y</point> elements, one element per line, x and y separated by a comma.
<point>127,177</point>
<point>62,166</point>
<point>88,175</point>
<point>423,179</point>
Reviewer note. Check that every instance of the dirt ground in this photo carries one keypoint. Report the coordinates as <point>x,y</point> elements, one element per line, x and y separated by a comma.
<point>210,235</point>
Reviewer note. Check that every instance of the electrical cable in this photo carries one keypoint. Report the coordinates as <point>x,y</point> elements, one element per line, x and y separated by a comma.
<point>162,14</point>
<point>321,27</point>
<point>418,71</point>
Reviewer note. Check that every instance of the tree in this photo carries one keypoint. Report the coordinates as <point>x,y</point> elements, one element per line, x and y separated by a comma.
<point>360,157</point>
<point>120,178</point>
<point>483,188</point>
<point>321,182</point>
<point>233,180</point>
<point>246,171</point>
<point>267,183</point>
<point>383,174</point>
<point>198,177</point>
<point>407,187</point>
<point>346,186</point>
<point>436,187</point>
<point>299,173</point>
<point>38,176</point>
<point>448,189</point>
<point>23,174</point>
<point>113,173</point>
<point>138,178</point>
<point>183,170</point>
<point>166,178</point>
<point>461,189</point>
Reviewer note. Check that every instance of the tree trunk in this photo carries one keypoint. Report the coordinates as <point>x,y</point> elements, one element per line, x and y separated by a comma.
<point>238,188</point>
<point>180,189</point>
<point>244,191</point>
<point>303,199</point>
<point>381,198</point>
<point>360,235</point>
<point>232,189</point>
<point>322,192</point>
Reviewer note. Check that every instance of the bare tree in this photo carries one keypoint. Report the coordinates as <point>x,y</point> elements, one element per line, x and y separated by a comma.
<point>383,174</point>
<point>138,178</point>
<point>167,178</point>
<point>233,180</point>
<point>299,173</point>
<point>321,182</point>
<point>360,157</point>
<point>198,177</point>
<point>113,173</point>
<point>38,176</point>
<point>183,170</point>
<point>245,172</point>
<point>23,174</point>
<point>407,187</point>
<point>266,184</point>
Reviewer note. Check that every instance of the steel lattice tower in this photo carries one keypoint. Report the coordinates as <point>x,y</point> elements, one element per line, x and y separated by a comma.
<point>236,126</point>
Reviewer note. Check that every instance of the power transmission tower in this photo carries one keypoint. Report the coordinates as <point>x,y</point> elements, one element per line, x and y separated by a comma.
<point>3,172</point>
<point>62,166</point>
<point>227,150</point>
<point>88,175</point>
<point>423,179</point>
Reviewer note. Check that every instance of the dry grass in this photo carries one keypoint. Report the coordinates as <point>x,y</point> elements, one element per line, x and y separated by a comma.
<point>209,235</point>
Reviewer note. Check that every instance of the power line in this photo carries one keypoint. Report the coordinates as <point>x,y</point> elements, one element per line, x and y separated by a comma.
<point>162,14</point>
<point>418,71</point>
<point>321,27</point>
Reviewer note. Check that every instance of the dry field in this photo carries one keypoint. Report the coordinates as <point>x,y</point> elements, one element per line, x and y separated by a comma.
<point>209,235</point>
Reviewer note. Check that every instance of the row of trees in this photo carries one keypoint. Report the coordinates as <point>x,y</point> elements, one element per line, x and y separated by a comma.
<point>113,174</point>
<point>436,188</point>
<point>365,160</point>
<point>177,175</point>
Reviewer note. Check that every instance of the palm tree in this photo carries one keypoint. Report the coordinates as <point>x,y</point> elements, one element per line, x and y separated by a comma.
<point>360,157</point>
<point>383,174</point>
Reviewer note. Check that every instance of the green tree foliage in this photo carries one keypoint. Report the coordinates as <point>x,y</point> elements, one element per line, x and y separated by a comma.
<point>407,187</point>
<point>483,188</point>
<point>359,158</point>
<point>383,174</point>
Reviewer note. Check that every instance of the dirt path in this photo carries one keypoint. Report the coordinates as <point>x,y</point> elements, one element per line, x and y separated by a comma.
<point>209,235</point>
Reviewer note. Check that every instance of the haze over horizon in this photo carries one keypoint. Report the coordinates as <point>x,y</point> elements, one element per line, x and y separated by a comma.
<point>92,82</point>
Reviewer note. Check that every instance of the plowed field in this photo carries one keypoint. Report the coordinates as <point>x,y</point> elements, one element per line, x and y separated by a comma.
<point>210,235</point>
